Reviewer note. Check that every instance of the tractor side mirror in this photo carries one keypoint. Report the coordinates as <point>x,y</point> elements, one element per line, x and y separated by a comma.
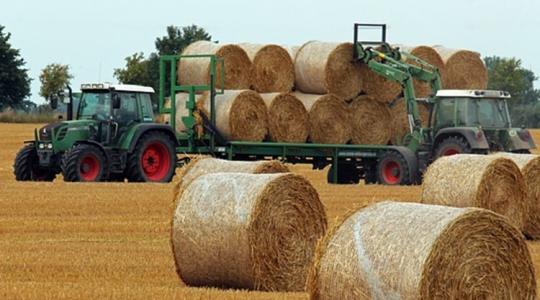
<point>53,99</point>
<point>116,101</point>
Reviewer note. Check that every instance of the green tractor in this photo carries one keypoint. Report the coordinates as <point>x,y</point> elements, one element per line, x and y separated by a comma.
<point>113,138</point>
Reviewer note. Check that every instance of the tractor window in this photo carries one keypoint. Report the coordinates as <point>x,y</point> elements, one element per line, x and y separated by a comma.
<point>128,108</point>
<point>146,105</point>
<point>444,117</point>
<point>95,105</point>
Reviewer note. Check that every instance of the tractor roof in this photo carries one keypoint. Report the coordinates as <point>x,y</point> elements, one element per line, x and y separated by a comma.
<point>117,87</point>
<point>473,94</point>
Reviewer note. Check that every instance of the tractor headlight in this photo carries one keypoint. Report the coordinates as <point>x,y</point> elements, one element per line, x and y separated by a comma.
<point>49,146</point>
<point>41,146</point>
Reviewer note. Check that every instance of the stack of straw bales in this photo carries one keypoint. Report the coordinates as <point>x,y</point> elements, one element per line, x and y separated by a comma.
<point>485,181</point>
<point>396,250</point>
<point>249,231</point>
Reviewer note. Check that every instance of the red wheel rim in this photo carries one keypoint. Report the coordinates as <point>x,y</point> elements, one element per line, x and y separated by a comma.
<point>450,151</point>
<point>391,172</point>
<point>89,168</point>
<point>156,161</point>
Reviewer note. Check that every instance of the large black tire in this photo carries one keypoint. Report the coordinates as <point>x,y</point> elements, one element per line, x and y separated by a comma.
<point>84,163</point>
<point>452,145</point>
<point>393,169</point>
<point>154,159</point>
<point>347,174</point>
<point>26,166</point>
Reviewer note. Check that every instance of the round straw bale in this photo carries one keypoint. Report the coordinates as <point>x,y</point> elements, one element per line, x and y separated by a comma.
<point>371,121</point>
<point>463,69</point>
<point>408,251</point>
<point>288,119</point>
<point>329,118</point>
<point>323,68</point>
<point>429,55</point>
<point>401,120</point>
<point>293,50</point>
<point>272,69</point>
<point>196,71</point>
<point>530,168</point>
<point>247,231</point>
<point>486,181</point>
<point>241,115</point>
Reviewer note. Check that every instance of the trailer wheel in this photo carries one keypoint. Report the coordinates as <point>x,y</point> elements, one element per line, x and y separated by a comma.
<point>347,174</point>
<point>451,146</point>
<point>83,163</point>
<point>154,159</point>
<point>26,166</point>
<point>393,169</point>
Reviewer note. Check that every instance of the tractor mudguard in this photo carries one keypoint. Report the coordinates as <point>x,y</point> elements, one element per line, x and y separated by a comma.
<point>412,161</point>
<point>144,128</point>
<point>520,139</point>
<point>474,136</point>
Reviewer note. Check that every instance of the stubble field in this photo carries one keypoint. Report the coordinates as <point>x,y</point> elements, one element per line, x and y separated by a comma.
<point>111,240</point>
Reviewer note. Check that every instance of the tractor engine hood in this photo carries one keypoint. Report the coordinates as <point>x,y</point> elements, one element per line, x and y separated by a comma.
<point>56,132</point>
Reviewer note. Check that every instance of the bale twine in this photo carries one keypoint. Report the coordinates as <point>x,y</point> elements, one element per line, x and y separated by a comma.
<point>272,69</point>
<point>401,120</point>
<point>329,118</point>
<point>463,69</point>
<point>247,231</point>
<point>429,55</point>
<point>408,251</point>
<point>371,121</point>
<point>468,180</point>
<point>530,168</point>
<point>288,119</point>
<point>196,71</point>
<point>241,115</point>
<point>323,68</point>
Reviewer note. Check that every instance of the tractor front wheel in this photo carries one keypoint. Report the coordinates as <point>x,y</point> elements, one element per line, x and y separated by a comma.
<point>83,163</point>
<point>154,159</point>
<point>26,166</point>
<point>393,169</point>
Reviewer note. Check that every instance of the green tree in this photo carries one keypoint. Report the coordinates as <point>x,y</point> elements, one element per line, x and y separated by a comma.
<point>14,80</point>
<point>508,74</point>
<point>53,78</point>
<point>135,72</point>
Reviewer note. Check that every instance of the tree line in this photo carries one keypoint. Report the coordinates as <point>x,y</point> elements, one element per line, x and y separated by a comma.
<point>506,74</point>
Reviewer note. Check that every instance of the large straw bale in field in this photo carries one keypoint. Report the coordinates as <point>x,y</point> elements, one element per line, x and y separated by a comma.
<point>288,119</point>
<point>196,71</point>
<point>241,115</point>
<point>401,120</point>
<point>371,121</point>
<point>463,69</point>
<point>329,118</point>
<point>208,165</point>
<point>272,68</point>
<point>323,68</point>
<point>247,231</point>
<point>429,55</point>
<point>409,251</point>
<point>468,180</point>
<point>530,168</point>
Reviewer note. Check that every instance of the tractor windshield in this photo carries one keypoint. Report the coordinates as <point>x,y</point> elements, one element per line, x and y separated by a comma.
<point>95,105</point>
<point>485,112</point>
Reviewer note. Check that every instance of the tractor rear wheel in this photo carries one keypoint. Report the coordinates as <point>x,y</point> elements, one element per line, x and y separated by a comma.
<point>393,169</point>
<point>154,159</point>
<point>451,146</point>
<point>83,163</point>
<point>26,166</point>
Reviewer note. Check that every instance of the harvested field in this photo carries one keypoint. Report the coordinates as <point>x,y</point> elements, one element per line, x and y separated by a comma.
<point>111,240</point>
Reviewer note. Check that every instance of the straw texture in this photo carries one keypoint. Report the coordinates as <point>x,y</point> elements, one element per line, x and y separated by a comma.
<point>468,180</point>
<point>401,120</point>
<point>241,115</point>
<point>272,69</point>
<point>530,168</point>
<point>405,251</point>
<point>247,231</point>
<point>429,55</point>
<point>288,119</point>
<point>323,68</point>
<point>329,118</point>
<point>196,71</point>
<point>463,69</point>
<point>371,121</point>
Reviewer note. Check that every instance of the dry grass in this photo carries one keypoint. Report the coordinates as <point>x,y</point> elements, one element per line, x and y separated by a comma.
<point>61,240</point>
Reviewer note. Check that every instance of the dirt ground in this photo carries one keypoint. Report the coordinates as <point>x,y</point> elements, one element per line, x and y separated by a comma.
<point>104,240</point>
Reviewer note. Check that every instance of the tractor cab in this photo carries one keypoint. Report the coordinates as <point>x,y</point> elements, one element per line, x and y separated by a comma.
<point>475,121</point>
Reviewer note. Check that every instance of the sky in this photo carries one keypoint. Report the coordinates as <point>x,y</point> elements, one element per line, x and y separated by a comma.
<point>94,37</point>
